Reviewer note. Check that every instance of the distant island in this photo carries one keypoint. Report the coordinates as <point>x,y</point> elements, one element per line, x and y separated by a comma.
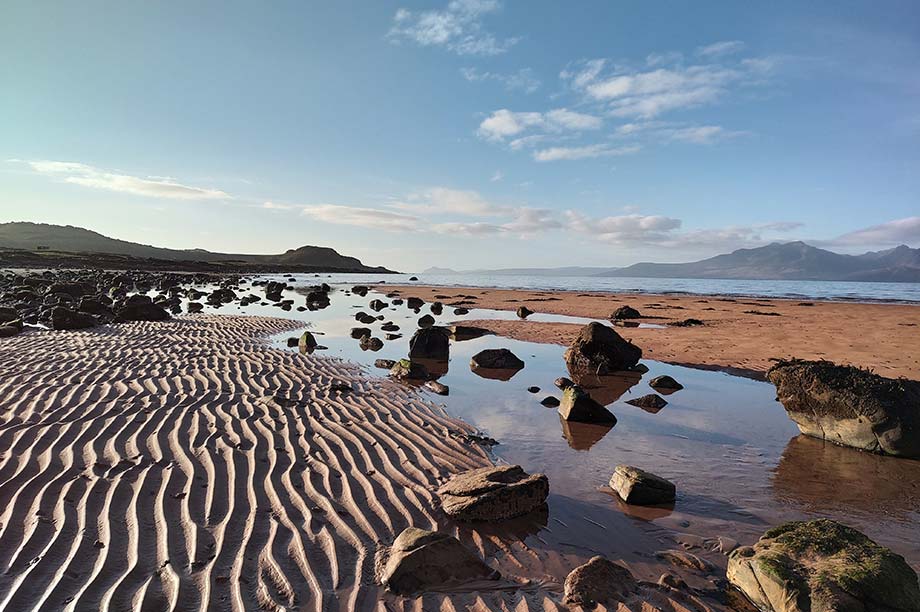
<point>777,261</point>
<point>31,245</point>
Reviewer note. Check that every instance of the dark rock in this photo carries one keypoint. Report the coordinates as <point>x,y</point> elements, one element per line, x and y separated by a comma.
<point>292,342</point>
<point>524,312</point>
<point>499,359</point>
<point>363,317</point>
<point>461,311</point>
<point>194,307</point>
<point>414,303</point>
<point>384,364</point>
<point>426,321</point>
<point>370,343</point>
<point>686,323</point>
<point>461,333</point>
<point>306,344</point>
<point>360,332</point>
<point>665,383</point>
<point>550,402</point>
<point>533,389</point>
<point>600,350</point>
<point>405,369</point>
<point>437,308</point>
<point>437,387</point>
<point>8,314</point>
<point>377,305</point>
<point>389,326</point>
<point>650,403</point>
<point>578,406</point>
<point>641,488</point>
<point>430,343</point>
<point>493,493</point>
<point>563,383</point>
<point>64,318</point>
<point>625,312</point>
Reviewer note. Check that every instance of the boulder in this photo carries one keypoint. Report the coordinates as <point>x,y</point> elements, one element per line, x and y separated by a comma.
<point>430,343</point>
<point>650,403</point>
<point>550,402</point>
<point>578,406</point>
<point>823,566</point>
<point>497,359</point>
<point>426,321</point>
<point>370,343</point>
<point>524,312</point>
<point>493,493</point>
<point>405,369</point>
<point>421,560</point>
<point>625,312</point>
<point>363,317</point>
<point>307,343</point>
<point>467,332</point>
<point>599,581</point>
<point>599,349</point>
<point>437,308</point>
<point>665,383</point>
<point>360,332</point>
<point>194,307</point>
<point>377,305</point>
<point>414,303</point>
<point>850,406</point>
<point>8,314</point>
<point>438,387</point>
<point>64,318</point>
<point>641,488</point>
<point>141,311</point>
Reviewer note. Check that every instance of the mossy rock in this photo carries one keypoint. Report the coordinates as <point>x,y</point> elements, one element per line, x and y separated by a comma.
<point>823,566</point>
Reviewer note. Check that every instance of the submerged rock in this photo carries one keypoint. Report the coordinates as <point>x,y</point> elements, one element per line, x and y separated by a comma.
<point>823,566</point>
<point>493,493</point>
<point>430,343</point>
<point>421,560</point>
<point>497,359</point>
<point>599,349</point>
<point>599,581</point>
<point>641,488</point>
<point>850,406</point>
<point>578,406</point>
<point>650,403</point>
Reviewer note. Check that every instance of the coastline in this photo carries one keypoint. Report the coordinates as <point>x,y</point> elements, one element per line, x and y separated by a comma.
<point>740,335</point>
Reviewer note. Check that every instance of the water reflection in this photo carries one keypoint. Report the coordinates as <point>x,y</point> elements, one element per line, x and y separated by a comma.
<point>503,374</point>
<point>608,388</point>
<point>582,436</point>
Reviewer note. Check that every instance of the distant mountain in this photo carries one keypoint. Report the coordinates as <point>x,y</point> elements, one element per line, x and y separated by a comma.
<point>566,271</point>
<point>789,261</point>
<point>41,238</point>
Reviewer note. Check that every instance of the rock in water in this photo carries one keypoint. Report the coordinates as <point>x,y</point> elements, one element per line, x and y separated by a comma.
<point>466,332</point>
<point>578,406</point>
<point>650,403</point>
<point>370,343</point>
<point>359,332</point>
<point>625,312</point>
<point>850,406</point>
<point>600,350</point>
<point>599,581</point>
<point>499,359</point>
<point>493,493</point>
<point>823,566</point>
<point>430,343</point>
<point>550,402</point>
<point>408,370</point>
<point>307,343</point>
<point>437,387</point>
<point>422,560</point>
<point>64,318</point>
<point>426,321</point>
<point>641,488</point>
<point>143,311</point>
<point>524,312</point>
<point>665,383</point>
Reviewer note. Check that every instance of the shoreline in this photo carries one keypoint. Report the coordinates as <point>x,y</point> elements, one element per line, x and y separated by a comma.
<point>738,334</point>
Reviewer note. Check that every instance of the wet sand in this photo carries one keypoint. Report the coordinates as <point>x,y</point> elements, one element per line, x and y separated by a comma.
<point>738,334</point>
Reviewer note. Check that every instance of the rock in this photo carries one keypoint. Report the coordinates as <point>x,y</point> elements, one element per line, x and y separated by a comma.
<point>408,370</point>
<point>389,326</point>
<point>194,307</point>
<point>650,403</point>
<point>414,303</point>
<point>94,307</point>
<point>426,321</point>
<point>293,341</point>
<point>823,566</point>
<point>363,317</point>
<point>598,581</point>
<point>498,359</point>
<point>384,364</point>
<point>430,343</point>
<point>8,314</point>
<point>672,582</point>
<point>600,350</point>
<point>467,332</point>
<point>360,332</point>
<point>681,558</point>
<point>625,312</point>
<point>563,383</point>
<point>665,383</point>
<point>141,311</point>
<point>377,305</point>
<point>359,290</point>
<point>413,278</point>
<point>370,343</point>
<point>524,312</point>
<point>533,389</point>
<point>437,387</point>
<point>850,406</point>
<point>686,323</point>
<point>64,318</point>
<point>461,311</point>
<point>422,560</point>
<point>578,406</point>
<point>493,493</point>
<point>437,308</point>
<point>307,343</point>
<point>641,488</point>
<point>8,331</point>
<point>550,402</point>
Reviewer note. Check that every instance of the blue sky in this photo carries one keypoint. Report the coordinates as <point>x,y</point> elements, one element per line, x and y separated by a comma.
<point>469,133</point>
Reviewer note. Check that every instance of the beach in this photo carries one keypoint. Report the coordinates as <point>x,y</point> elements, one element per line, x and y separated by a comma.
<point>742,335</point>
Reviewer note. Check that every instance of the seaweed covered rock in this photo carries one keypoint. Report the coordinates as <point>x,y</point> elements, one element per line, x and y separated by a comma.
<point>306,344</point>
<point>823,566</point>
<point>493,493</point>
<point>851,407</point>
<point>421,560</point>
<point>599,349</point>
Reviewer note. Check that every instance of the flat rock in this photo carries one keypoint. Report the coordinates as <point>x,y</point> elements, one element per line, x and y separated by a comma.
<point>599,581</point>
<point>641,488</point>
<point>493,493</point>
<point>823,566</point>
<point>421,560</point>
<point>467,332</point>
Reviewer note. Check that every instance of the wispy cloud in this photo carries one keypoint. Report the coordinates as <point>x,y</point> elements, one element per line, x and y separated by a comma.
<point>97,178</point>
<point>457,27</point>
<point>372,218</point>
<point>504,123</point>
<point>718,49</point>
<point>446,200</point>
<point>585,152</point>
<point>892,233</point>
<point>523,80</point>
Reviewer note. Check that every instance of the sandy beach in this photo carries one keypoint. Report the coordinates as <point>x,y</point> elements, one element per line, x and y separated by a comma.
<point>743,335</point>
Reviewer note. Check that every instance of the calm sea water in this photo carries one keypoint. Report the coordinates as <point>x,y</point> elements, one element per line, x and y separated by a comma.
<point>824,290</point>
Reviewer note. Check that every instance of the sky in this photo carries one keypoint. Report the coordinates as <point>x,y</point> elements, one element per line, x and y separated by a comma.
<point>466,133</point>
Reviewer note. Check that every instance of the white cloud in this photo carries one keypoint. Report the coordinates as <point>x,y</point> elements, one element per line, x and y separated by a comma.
<point>718,49</point>
<point>583,152</point>
<point>579,74</point>
<point>523,80</point>
<point>703,134</point>
<point>623,228</point>
<point>457,27</point>
<point>97,178</point>
<point>445,200</point>
<point>372,218</point>
<point>503,123</point>
<point>899,231</point>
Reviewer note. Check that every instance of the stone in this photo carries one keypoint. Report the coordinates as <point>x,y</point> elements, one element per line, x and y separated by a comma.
<point>194,307</point>
<point>598,581</point>
<point>850,407</point>
<point>550,402</point>
<point>562,383</point>
<point>414,303</point>
<point>665,383</point>
<point>405,369</point>
<point>437,387</point>
<point>421,560</point>
<point>524,312</point>
<point>625,312</point>
<point>437,308</point>
<point>384,364</point>
<point>600,350</point>
<point>370,343</point>
<point>426,321</point>
<point>650,403</point>
<point>640,488</point>
<point>498,359</point>
<point>8,314</point>
<point>493,493</point>
<point>359,332</point>
<point>64,318</point>
<point>823,566</point>
<point>307,343</point>
<point>141,311</point>
<point>578,406</point>
<point>430,343</point>
<point>533,389</point>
